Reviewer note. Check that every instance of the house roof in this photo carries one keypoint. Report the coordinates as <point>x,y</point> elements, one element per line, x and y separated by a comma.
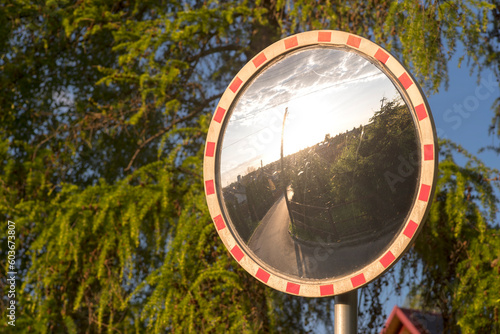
<point>408,321</point>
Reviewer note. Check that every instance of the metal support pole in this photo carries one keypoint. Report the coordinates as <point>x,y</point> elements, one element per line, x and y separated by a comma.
<point>346,313</point>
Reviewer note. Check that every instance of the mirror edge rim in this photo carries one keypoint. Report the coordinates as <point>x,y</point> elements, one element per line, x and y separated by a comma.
<point>428,169</point>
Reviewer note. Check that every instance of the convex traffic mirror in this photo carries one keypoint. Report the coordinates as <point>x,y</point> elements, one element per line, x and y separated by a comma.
<point>320,163</point>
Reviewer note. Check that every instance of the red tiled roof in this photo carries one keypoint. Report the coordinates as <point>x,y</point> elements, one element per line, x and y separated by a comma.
<point>408,321</point>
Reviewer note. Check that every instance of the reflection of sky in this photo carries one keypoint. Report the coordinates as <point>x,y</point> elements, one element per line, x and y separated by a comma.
<point>326,91</point>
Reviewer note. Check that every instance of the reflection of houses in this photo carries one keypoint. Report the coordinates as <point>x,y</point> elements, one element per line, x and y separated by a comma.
<point>236,192</point>
<point>407,321</point>
<point>328,150</point>
<point>250,197</point>
<point>267,176</point>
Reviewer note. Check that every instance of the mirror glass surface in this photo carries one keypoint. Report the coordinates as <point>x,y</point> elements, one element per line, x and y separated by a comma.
<point>319,163</point>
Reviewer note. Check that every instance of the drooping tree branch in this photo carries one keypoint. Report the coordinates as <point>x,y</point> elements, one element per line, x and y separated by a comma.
<point>168,128</point>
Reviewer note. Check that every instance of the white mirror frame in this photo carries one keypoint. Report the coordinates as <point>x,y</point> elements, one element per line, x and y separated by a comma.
<point>428,173</point>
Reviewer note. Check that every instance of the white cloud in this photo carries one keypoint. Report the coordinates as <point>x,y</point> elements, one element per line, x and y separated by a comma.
<point>326,90</point>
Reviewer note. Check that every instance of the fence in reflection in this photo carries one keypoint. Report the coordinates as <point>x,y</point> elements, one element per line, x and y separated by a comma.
<point>334,224</point>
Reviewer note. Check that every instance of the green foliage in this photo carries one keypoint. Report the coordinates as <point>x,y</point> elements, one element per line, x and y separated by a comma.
<point>456,251</point>
<point>425,45</point>
<point>363,177</point>
<point>476,300</point>
<point>104,107</point>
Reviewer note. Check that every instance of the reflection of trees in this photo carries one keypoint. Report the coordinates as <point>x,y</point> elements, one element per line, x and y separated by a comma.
<point>341,187</point>
<point>250,198</point>
<point>354,185</point>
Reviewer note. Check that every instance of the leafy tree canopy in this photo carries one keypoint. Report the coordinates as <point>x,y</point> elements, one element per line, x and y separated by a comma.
<point>104,107</point>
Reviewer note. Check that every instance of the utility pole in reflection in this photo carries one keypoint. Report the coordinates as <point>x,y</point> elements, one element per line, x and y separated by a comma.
<point>346,304</point>
<point>283,178</point>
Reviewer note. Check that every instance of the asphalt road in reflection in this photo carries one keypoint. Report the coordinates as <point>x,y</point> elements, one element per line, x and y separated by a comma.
<point>272,243</point>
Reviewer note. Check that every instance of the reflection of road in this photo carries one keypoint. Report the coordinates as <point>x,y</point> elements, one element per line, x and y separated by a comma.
<point>272,243</point>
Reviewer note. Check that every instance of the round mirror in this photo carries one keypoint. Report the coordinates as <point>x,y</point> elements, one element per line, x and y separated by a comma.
<point>320,163</point>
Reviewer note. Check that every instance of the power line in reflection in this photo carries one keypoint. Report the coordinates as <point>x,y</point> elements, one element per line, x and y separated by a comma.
<point>300,96</point>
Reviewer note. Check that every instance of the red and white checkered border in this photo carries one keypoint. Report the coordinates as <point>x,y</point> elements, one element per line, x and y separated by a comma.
<point>425,128</point>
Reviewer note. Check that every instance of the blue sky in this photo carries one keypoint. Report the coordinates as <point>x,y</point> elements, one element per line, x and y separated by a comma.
<point>463,113</point>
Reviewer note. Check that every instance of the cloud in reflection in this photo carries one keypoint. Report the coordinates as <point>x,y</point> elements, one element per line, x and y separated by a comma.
<point>326,90</point>
<point>301,74</point>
